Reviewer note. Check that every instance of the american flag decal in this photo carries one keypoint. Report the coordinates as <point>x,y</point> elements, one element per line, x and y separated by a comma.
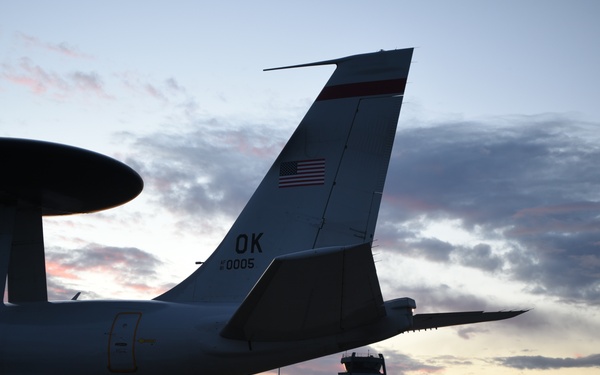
<point>302,173</point>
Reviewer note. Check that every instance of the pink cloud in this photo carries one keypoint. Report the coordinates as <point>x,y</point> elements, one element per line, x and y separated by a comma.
<point>56,269</point>
<point>40,81</point>
<point>132,270</point>
<point>33,77</point>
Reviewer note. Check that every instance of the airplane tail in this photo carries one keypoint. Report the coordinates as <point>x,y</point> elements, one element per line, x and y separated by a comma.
<point>325,187</point>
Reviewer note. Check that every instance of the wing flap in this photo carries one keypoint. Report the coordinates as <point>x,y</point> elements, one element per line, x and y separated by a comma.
<point>308,294</point>
<point>437,320</point>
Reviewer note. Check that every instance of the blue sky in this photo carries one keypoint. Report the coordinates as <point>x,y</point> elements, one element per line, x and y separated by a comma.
<point>492,196</point>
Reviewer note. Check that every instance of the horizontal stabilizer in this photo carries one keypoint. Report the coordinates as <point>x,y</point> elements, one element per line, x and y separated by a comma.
<point>308,294</point>
<point>437,320</point>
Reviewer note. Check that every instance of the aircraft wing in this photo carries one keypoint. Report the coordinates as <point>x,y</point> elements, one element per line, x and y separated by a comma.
<point>309,294</point>
<point>437,320</point>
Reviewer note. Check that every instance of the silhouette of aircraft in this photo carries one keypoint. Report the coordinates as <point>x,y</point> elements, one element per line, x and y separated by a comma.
<point>293,279</point>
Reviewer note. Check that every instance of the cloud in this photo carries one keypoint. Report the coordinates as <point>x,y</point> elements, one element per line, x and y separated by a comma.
<point>529,190</point>
<point>521,186</point>
<point>480,257</point>
<point>466,332</point>
<point>41,81</point>
<point>173,85</point>
<point>33,77</point>
<point>98,257</point>
<point>209,171</point>
<point>548,363</point>
<point>441,297</point>
<point>62,291</point>
<point>61,84</point>
<point>88,82</point>
<point>162,90</point>
<point>431,249</point>
<point>134,270</point>
<point>60,48</point>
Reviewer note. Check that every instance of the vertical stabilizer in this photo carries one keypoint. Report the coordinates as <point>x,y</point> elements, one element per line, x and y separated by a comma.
<point>325,187</point>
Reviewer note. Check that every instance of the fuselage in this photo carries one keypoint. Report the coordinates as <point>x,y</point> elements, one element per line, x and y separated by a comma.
<point>147,337</point>
<point>100,337</point>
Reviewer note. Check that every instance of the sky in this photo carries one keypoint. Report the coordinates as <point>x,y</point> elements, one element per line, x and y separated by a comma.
<point>492,199</point>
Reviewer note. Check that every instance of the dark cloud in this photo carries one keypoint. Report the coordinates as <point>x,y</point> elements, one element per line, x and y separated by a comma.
<point>484,175</point>
<point>479,256</point>
<point>528,183</point>
<point>532,185</point>
<point>431,249</point>
<point>210,171</point>
<point>548,363</point>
